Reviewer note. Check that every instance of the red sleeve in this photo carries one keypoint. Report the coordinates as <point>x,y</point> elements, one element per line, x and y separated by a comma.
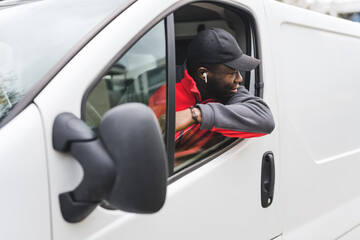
<point>235,134</point>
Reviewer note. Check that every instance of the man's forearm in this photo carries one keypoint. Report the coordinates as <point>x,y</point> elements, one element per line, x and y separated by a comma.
<point>243,113</point>
<point>184,118</point>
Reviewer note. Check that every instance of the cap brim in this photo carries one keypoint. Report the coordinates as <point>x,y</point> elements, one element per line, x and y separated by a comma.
<point>243,63</point>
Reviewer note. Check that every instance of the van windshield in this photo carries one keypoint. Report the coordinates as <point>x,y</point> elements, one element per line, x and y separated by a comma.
<point>36,34</point>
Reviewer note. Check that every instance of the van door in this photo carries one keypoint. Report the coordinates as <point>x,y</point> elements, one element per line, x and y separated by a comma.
<point>212,196</point>
<point>317,82</point>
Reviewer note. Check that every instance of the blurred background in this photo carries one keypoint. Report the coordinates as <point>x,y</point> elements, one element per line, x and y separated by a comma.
<point>346,9</point>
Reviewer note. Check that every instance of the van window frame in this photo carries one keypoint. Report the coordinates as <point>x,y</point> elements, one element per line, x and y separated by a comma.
<point>168,18</point>
<point>170,91</point>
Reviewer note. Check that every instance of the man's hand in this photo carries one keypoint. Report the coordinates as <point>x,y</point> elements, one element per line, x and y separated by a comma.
<point>184,119</point>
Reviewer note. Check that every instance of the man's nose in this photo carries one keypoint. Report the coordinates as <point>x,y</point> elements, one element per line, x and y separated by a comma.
<point>238,78</point>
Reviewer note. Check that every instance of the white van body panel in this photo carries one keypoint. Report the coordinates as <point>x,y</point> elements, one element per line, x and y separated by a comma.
<point>317,84</point>
<point>231,181</point>
<point>24,204</point>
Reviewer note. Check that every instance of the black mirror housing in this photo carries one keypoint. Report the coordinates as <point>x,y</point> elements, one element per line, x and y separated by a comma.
<point>126,168</point>
<point>132,137</point>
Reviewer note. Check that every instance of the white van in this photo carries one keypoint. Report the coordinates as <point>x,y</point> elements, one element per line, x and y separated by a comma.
<point>70,171</point>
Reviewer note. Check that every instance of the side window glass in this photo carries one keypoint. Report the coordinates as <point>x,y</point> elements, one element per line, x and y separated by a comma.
<point>135,77</point>
<point>192,144</point>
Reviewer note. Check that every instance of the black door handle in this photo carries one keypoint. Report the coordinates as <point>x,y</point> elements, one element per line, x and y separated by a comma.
<point>267,179</point>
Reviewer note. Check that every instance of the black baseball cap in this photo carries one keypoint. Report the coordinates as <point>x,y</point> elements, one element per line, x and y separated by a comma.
<point>216,45</point>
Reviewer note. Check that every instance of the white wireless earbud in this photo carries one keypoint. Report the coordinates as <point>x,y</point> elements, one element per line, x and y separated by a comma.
<point>205,76</point>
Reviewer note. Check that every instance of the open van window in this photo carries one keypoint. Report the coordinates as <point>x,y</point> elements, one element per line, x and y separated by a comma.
<point>189,21</point>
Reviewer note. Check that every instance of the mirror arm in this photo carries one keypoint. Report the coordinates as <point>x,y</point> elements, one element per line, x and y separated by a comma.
<point>71,134</point>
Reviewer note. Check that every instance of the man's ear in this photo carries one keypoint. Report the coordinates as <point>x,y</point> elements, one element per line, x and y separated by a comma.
<point>202,73</point>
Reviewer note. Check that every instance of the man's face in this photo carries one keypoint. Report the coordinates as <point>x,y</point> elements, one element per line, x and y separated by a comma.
<point>223,81</point>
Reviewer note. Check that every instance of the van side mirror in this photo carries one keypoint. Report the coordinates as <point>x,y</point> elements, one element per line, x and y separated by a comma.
<point>126,166</point>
